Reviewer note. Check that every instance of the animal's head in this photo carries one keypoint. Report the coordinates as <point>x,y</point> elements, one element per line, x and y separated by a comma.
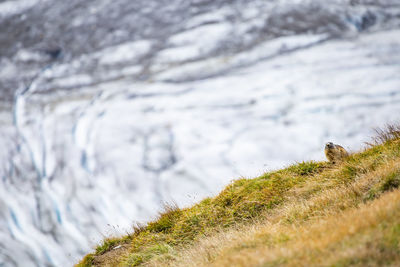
<point>329,145</point>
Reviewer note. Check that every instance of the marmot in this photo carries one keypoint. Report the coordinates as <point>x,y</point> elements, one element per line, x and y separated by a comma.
<point>335,153</point>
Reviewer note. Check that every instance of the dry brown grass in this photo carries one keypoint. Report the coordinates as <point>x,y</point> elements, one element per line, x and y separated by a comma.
<point>111,258</point>
<point>309,214</point>
<point>333,239</point>
<point>303,232</point>
<point>389,132</point>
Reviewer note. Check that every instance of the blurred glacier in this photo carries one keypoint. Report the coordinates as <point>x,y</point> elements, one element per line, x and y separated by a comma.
<point>111,108</point>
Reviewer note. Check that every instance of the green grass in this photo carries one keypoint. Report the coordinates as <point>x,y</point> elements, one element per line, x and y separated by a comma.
<point>241,201</point>
<point>87,261</point>
<point>245,201</point>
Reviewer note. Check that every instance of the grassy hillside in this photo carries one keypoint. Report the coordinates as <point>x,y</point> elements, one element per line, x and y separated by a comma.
<point>309,214</point>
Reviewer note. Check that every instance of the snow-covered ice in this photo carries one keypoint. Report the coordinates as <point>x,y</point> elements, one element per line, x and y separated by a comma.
<point>100,137</point>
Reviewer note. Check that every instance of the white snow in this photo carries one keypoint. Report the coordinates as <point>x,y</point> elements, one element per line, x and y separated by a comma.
<point>95,157</point>
<point>124,52</point>
<point>9,8</point>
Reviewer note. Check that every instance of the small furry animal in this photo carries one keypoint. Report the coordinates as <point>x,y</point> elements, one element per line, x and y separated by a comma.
<point>335,153</point>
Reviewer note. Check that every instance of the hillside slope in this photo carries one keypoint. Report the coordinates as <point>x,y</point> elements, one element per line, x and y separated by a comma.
<point>109,108</point>
<point>311,213</point>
